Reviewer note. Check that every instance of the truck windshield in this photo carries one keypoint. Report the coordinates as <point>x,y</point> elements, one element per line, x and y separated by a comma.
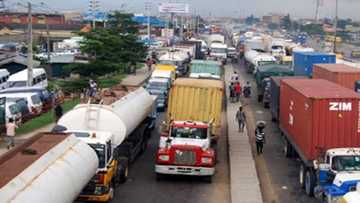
<point>346,163</point>
<point>187,132</point>
<point>100,151</point>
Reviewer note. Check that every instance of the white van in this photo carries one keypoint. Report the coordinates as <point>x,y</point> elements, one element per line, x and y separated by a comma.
<point>33,100</point>
<point>12,111</point>
<point>4,77</point>
<point>19,79</point>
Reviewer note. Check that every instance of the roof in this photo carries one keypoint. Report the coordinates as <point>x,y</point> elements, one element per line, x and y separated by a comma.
<point>16,161</point>
<point>338,68</point>
<point>204,83</point>
<point>277,79</point>
<point>212,69</point>
<point>313,53</point>
<point>22,75</point>
<point>64,58</point>
<point>207,62</point>
<point>320,89</point>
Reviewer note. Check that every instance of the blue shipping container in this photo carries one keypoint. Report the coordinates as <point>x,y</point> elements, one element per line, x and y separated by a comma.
<point>303,61</point>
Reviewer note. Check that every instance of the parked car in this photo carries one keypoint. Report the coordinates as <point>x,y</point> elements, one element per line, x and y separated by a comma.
<point>22,106</point>
<point>12,110</point>
<point>33,101</point>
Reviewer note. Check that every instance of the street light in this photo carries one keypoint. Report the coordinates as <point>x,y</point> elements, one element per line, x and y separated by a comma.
<point>335,25</point>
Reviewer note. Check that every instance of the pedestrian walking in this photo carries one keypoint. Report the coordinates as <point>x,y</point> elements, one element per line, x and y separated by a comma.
<point>149,63</point>
<point>234,77</point>
<point>58,112</point>
<point>10,133</point>
<point>241,119</point>
<point>260,136</point>
<point>232,92</point>
<point>92,88</point>
<point>237,89</point>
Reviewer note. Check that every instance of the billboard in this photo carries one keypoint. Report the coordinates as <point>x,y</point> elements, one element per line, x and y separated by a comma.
<point>173,8</point>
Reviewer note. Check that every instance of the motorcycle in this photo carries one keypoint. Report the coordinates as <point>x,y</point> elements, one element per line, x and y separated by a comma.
<point>247,92</point>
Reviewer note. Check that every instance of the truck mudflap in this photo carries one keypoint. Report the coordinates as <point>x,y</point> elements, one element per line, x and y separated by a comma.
<point>184,170</point>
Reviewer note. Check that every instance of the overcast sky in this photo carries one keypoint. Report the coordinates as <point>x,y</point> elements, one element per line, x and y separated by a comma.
<point>296,8</point>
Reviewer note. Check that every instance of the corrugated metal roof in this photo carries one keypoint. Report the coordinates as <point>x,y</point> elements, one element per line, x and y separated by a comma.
<point>338,68</point>
<point>205,83</point>
<point>320,89</point>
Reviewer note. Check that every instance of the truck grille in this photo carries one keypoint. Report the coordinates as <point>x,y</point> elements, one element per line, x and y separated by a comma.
<point>185,157</point>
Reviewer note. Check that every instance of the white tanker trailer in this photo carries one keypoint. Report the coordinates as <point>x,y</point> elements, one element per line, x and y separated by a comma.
<point>50,167</point>
<point>118,131</point>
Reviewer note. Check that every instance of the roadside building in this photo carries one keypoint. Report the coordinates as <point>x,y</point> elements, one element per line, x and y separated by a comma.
<point>14,62</point>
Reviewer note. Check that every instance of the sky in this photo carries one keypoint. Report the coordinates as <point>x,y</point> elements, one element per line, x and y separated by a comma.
<point>234,8</point>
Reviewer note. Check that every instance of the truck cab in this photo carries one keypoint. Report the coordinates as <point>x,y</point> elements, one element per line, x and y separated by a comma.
<point>339,174</point>
<point>110,172</point>
<point>185,149</point>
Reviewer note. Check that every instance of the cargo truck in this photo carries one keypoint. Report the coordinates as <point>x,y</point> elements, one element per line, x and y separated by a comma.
<point>303,61</point>
<point>319,121</point>
<point>118,130</point>
<point>193,123</point>
<point>49,167</point>
<point>263,75</point>
<point>341,74</point>
<point>205,69</point>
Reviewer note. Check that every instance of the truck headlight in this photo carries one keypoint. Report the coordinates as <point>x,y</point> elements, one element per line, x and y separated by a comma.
<point>98,191</point>
<point>206,160</point>
<point>164,157</point>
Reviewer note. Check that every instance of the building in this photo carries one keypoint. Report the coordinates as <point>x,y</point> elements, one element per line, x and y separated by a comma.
<point>272,18</point>
<point>38,18</point>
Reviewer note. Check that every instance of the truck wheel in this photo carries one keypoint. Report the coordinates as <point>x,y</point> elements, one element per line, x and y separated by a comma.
<point>287,149</point>
<point>123,170</point>
<point>302,176</point>
<point>309,182</point>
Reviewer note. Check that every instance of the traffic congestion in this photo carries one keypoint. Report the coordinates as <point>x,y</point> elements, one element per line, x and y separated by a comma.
<point>136,108</point>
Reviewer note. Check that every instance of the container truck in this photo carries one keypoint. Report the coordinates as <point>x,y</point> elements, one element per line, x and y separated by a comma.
<point>319,121</point>
<point>205,69</point>
<point>255,59</point>
<point>275,95</point>
<point>193,123</point>
<point>49,167</point>
<point>303,61</point>
<point>218,51</point>
<point>118,130</point>
<point>341,74</point>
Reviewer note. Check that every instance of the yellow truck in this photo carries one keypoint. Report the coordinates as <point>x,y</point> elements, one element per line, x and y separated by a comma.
<point>331,38</point>
<point>193,121</point>
<point>168,67</point>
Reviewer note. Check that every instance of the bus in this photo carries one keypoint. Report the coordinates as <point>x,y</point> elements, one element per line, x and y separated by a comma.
<point>19,79</point>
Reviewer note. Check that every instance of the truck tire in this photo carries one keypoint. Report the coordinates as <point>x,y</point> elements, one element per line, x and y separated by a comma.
<point>288,149</point>
<point>310,181</point>
<point>123,171</point>
<point>302,170</point>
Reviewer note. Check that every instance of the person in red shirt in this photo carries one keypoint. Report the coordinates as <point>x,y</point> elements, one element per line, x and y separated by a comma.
<point>237,89</point>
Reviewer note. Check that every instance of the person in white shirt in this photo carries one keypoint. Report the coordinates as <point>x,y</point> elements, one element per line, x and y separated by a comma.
<point>10,133</point>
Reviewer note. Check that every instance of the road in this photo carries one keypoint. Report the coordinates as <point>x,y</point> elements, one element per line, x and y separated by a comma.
<point>142,185</point>
<point>277,172</point>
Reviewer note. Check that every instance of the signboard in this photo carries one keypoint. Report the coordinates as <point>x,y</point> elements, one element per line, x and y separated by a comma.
<point>173,8</point>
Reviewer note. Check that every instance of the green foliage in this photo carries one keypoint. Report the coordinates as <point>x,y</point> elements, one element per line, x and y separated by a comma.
<point>286,22</point>
<point>110,48</point>
<point>44,119</point>
<point>313,29</point>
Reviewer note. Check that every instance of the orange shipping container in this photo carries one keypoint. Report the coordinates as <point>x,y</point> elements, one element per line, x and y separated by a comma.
<point>341,74</point>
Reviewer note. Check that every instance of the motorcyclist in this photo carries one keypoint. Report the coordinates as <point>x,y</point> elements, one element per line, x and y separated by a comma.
<point>247,89</point>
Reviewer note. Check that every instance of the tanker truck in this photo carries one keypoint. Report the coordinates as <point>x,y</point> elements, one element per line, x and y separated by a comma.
<point>118,130</point>
<point>49,167</point>
<point>193,123</point>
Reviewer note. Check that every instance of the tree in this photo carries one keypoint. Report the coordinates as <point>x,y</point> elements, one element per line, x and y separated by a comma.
<point>313,29</point>
<point>110,48</point>
<point>286,22</point>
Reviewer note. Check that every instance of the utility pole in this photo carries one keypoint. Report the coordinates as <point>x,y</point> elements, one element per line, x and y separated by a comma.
<point>335,25</point>
<point>317,10</point>
<point>148,8</point>
<point>30,47</point>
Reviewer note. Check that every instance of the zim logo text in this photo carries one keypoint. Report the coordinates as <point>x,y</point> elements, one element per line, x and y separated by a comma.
<point>340,106</point>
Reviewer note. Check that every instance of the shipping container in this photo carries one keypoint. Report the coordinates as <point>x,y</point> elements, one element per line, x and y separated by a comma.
<point>317,115</point>
<point>275,94</point>
<point>205,69</point>
<point>341,74</point>
<point>303,61</point>
<point>196,100</point>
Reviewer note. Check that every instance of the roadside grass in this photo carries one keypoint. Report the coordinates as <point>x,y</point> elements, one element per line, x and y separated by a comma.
<point>110,81</point>
<point>44,119</point>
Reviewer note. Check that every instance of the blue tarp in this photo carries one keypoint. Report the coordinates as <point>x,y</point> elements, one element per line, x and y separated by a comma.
<point>153,21</point>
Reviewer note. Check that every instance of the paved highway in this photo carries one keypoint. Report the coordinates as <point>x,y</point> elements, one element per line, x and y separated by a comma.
<point>142,185</point>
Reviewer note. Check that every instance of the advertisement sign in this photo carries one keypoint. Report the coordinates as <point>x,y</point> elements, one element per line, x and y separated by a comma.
<point>173,8</point>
